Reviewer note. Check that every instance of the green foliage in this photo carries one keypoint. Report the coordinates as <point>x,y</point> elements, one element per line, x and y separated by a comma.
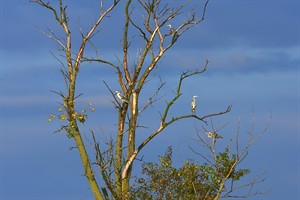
<point>191,181</point>
<point>63,116</point>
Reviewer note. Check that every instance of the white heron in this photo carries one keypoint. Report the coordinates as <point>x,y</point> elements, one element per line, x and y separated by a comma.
<point>172,30</point>
<point>121,97</point>
<point>194,104</point>
<point>213,135</point>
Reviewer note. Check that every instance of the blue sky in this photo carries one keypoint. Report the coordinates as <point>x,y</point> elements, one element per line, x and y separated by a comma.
<point>254,53</point>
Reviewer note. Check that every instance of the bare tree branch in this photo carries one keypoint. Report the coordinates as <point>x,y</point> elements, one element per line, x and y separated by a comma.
<point>164,124</point>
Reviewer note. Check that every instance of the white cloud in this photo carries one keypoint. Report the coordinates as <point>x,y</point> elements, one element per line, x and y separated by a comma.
<point>236,57</point>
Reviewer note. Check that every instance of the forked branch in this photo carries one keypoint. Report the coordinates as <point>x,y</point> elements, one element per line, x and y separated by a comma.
<point>164,123</point>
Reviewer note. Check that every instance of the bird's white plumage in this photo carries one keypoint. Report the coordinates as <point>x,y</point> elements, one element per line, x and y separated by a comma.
<point>213,135</point>
<point>121,97</point>
<point>172,30</point>
<point>194,103</point>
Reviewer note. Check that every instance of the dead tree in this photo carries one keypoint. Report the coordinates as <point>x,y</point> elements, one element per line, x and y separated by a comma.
<point>157,35</point>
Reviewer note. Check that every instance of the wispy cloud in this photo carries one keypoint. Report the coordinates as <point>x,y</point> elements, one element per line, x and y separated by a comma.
<point>236,59</point>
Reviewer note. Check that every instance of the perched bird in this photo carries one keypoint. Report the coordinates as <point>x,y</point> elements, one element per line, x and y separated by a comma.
<point>121,97</point>
<point>213,135</point>
<point>171,29</point>
<point>194,104</point>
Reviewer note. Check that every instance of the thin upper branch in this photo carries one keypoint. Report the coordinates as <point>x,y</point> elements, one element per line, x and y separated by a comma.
<point>90,33</point>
